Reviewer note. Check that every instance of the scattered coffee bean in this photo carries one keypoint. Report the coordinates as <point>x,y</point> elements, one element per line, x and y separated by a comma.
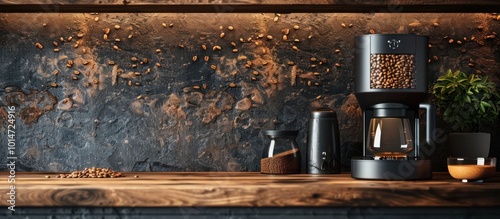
<point>69,64</point>
<point>39,45</point>
<point>216,48</point>
<point>92,173</point>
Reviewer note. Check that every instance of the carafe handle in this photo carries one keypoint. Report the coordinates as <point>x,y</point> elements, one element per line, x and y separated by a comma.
<point>430,124</point>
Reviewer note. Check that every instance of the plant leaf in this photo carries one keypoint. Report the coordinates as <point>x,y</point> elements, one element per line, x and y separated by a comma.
<point>467,99</point>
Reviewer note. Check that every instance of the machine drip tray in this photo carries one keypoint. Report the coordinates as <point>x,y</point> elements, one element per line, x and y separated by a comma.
<point>409,169</point>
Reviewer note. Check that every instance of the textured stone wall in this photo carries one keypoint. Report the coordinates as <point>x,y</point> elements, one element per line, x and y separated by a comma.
<point>192,92</point>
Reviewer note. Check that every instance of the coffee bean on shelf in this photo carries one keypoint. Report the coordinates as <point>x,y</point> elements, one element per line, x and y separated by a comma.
<point>92,173</point>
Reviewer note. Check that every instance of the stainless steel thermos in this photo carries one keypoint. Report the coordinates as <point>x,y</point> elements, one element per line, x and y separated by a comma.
<point>323,142</point>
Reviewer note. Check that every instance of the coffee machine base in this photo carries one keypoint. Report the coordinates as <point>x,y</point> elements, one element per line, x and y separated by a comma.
<point>409,169</point>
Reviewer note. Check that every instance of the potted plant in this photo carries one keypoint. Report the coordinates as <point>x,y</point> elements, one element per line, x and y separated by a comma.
<point>467,102</point>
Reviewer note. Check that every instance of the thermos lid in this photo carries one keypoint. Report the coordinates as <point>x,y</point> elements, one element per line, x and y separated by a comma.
<point>281,133</point>
<point>323,113</point>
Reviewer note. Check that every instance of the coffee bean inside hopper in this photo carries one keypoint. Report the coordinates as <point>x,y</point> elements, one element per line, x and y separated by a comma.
<point>392,71</point>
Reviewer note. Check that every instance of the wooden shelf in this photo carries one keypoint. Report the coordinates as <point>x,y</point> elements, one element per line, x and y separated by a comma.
<point>249,189</point>
<point>250,6</point>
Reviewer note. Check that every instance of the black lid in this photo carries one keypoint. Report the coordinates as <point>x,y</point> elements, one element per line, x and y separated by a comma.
<point>281,133</point>
<point>323,113</point>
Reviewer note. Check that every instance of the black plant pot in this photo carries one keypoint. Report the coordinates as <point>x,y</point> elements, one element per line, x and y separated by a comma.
<point>469,144</point>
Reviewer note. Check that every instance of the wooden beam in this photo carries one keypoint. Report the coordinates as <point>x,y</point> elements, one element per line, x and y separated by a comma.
<point>249,6</point>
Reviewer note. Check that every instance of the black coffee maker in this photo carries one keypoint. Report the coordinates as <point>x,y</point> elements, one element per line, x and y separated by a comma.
<point>391,82</point>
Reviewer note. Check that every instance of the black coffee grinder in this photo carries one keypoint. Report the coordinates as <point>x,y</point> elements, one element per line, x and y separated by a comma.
<point>391,81</point>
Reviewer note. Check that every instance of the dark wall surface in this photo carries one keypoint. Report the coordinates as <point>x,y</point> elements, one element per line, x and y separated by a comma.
<point>147,96</point>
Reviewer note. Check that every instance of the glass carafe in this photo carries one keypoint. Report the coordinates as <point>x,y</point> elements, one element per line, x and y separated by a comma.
<point>390,138</point>
<point>282,154</point>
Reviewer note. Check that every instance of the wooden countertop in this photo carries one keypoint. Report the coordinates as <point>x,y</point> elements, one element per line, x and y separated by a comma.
<point>246,189</point>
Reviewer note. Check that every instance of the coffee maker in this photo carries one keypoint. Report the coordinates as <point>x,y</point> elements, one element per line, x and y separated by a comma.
<point>391,82</point>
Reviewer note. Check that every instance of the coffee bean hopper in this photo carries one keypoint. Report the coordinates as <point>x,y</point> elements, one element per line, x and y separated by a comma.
<point>391,82</point>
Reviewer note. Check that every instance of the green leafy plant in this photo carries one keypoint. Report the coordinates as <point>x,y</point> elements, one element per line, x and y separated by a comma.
<point>467,102</point>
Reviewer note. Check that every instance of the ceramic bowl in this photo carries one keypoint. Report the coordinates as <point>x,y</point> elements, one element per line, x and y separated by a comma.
<point>471,169</point>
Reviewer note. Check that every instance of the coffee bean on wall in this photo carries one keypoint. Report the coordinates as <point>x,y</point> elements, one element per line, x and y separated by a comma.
<point>391,71</point>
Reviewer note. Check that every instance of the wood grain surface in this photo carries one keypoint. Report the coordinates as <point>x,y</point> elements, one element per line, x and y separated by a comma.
<point>249,189</point>
<point>238,6</point>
